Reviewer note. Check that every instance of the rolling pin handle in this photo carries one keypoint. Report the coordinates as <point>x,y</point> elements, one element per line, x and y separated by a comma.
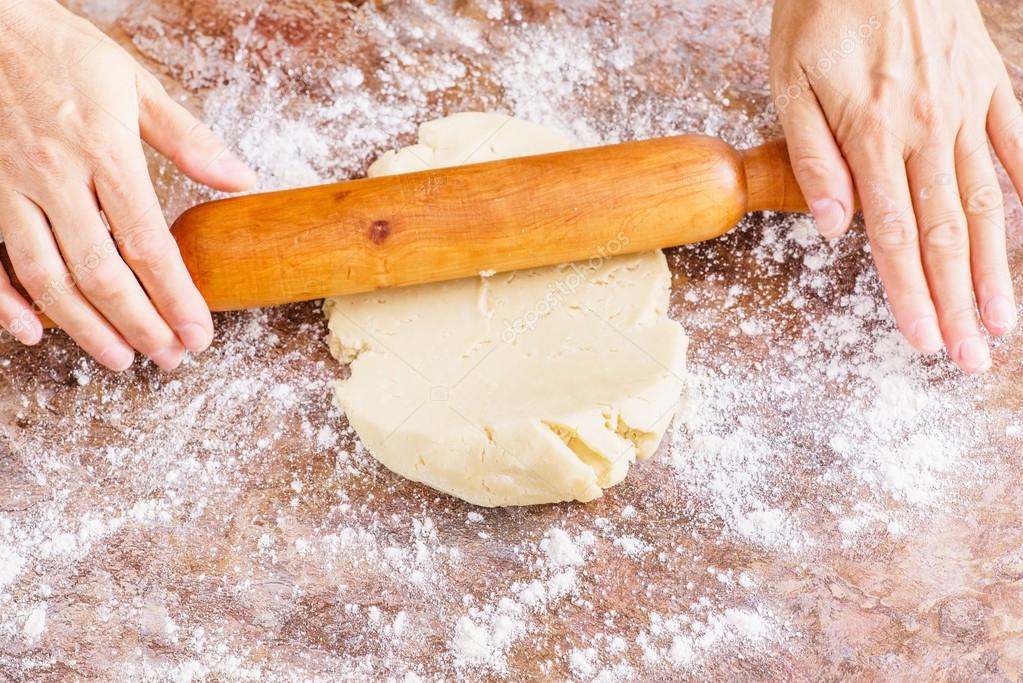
<point>770,183</point>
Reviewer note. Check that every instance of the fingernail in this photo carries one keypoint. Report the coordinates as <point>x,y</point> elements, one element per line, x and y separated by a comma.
<point>168,358</point>
<point>830,217</point>
<point>974,355</point>
<point>117,358</point>
<point>195,337</point>
<point>228,164</point>
<point>928,335</point>
<point>27,330</point>
<point>1001,313</point>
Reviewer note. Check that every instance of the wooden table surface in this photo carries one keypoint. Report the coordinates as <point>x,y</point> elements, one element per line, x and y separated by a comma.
<point>828,506</point>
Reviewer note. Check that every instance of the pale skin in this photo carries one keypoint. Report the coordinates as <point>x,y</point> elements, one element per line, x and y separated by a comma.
<point>896,102</point>
<point>899,114</point>
<point>77,111</point>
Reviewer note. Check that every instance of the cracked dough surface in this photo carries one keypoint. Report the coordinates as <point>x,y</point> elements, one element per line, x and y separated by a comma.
<point>536,386</point>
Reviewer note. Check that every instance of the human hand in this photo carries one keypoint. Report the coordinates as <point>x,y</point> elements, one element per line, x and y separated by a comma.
<point>899,100</point>
<point>77,108</point>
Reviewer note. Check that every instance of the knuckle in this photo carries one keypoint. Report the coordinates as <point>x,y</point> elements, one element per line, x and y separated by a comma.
<point>147,338</point>
<point>872,126</point>
<point>109,179</point>
<point>879,193</point>
<point>45,158</point>
<point>146,248</point>
<point>102,280</point>
<point>94,153</point>
<point>990,274</point>
<point>895,232</point>
<point>909,295</point>
<point>33,274</point>
<point>884,89</point>
<point>928,113</point>
<point>947,233</point>
<point>1012,139</point>
<point>110,159</point>
<point>41,280</point>
<point>984,200</point>
<point>961,318</point>
<point>812,168</point>
<point>11,165</point>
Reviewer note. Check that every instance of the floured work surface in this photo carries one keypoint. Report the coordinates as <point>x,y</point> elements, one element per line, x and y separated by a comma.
<point>828,501</point>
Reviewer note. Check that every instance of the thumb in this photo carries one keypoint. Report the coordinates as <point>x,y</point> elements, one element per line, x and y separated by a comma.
<point>187,142</point>
<point>819,165</point>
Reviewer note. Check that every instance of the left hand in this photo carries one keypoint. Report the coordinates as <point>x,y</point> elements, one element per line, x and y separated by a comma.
<point>78,212</point>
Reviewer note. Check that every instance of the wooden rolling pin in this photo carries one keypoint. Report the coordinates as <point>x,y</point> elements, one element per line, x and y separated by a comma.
<point>360,235</point>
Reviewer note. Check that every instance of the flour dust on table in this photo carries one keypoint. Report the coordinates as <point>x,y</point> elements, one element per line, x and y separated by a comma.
<point>521,388</point>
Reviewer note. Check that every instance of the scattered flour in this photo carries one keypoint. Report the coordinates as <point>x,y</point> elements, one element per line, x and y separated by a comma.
<point>11,564</point>
<point>631,546</point>
<point>35,624</point>
<point>683,641</point>
<point>730,467</point>
<point>484,635</point>
<point>786,438</point>
<point>895,425</point>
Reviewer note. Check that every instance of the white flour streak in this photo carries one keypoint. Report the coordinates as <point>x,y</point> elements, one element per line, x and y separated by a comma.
<point>873,423</point>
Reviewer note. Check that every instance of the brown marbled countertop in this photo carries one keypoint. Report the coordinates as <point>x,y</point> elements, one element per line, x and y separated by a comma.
<point>830,507</point>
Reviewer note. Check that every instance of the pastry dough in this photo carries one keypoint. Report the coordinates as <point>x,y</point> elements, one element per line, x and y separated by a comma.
<point>536,386</point>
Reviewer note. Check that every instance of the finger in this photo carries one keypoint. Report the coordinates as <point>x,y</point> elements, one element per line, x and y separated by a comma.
<point>985,215</point>
<point>140,230</point>
<point>188,143</point>
<point>16,314</point>
<point>944,239</point>
<point>819,165</point>
<point>102,276</point>
<point>38,264</point>
<point>1005,128</point>
<point>881,183</point>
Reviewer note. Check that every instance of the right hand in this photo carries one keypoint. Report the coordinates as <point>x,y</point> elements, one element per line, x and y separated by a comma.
<point>900,100</point>
<point>71,164</point>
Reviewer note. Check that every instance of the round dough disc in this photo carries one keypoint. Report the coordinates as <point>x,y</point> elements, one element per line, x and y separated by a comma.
<point>536,386</point>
